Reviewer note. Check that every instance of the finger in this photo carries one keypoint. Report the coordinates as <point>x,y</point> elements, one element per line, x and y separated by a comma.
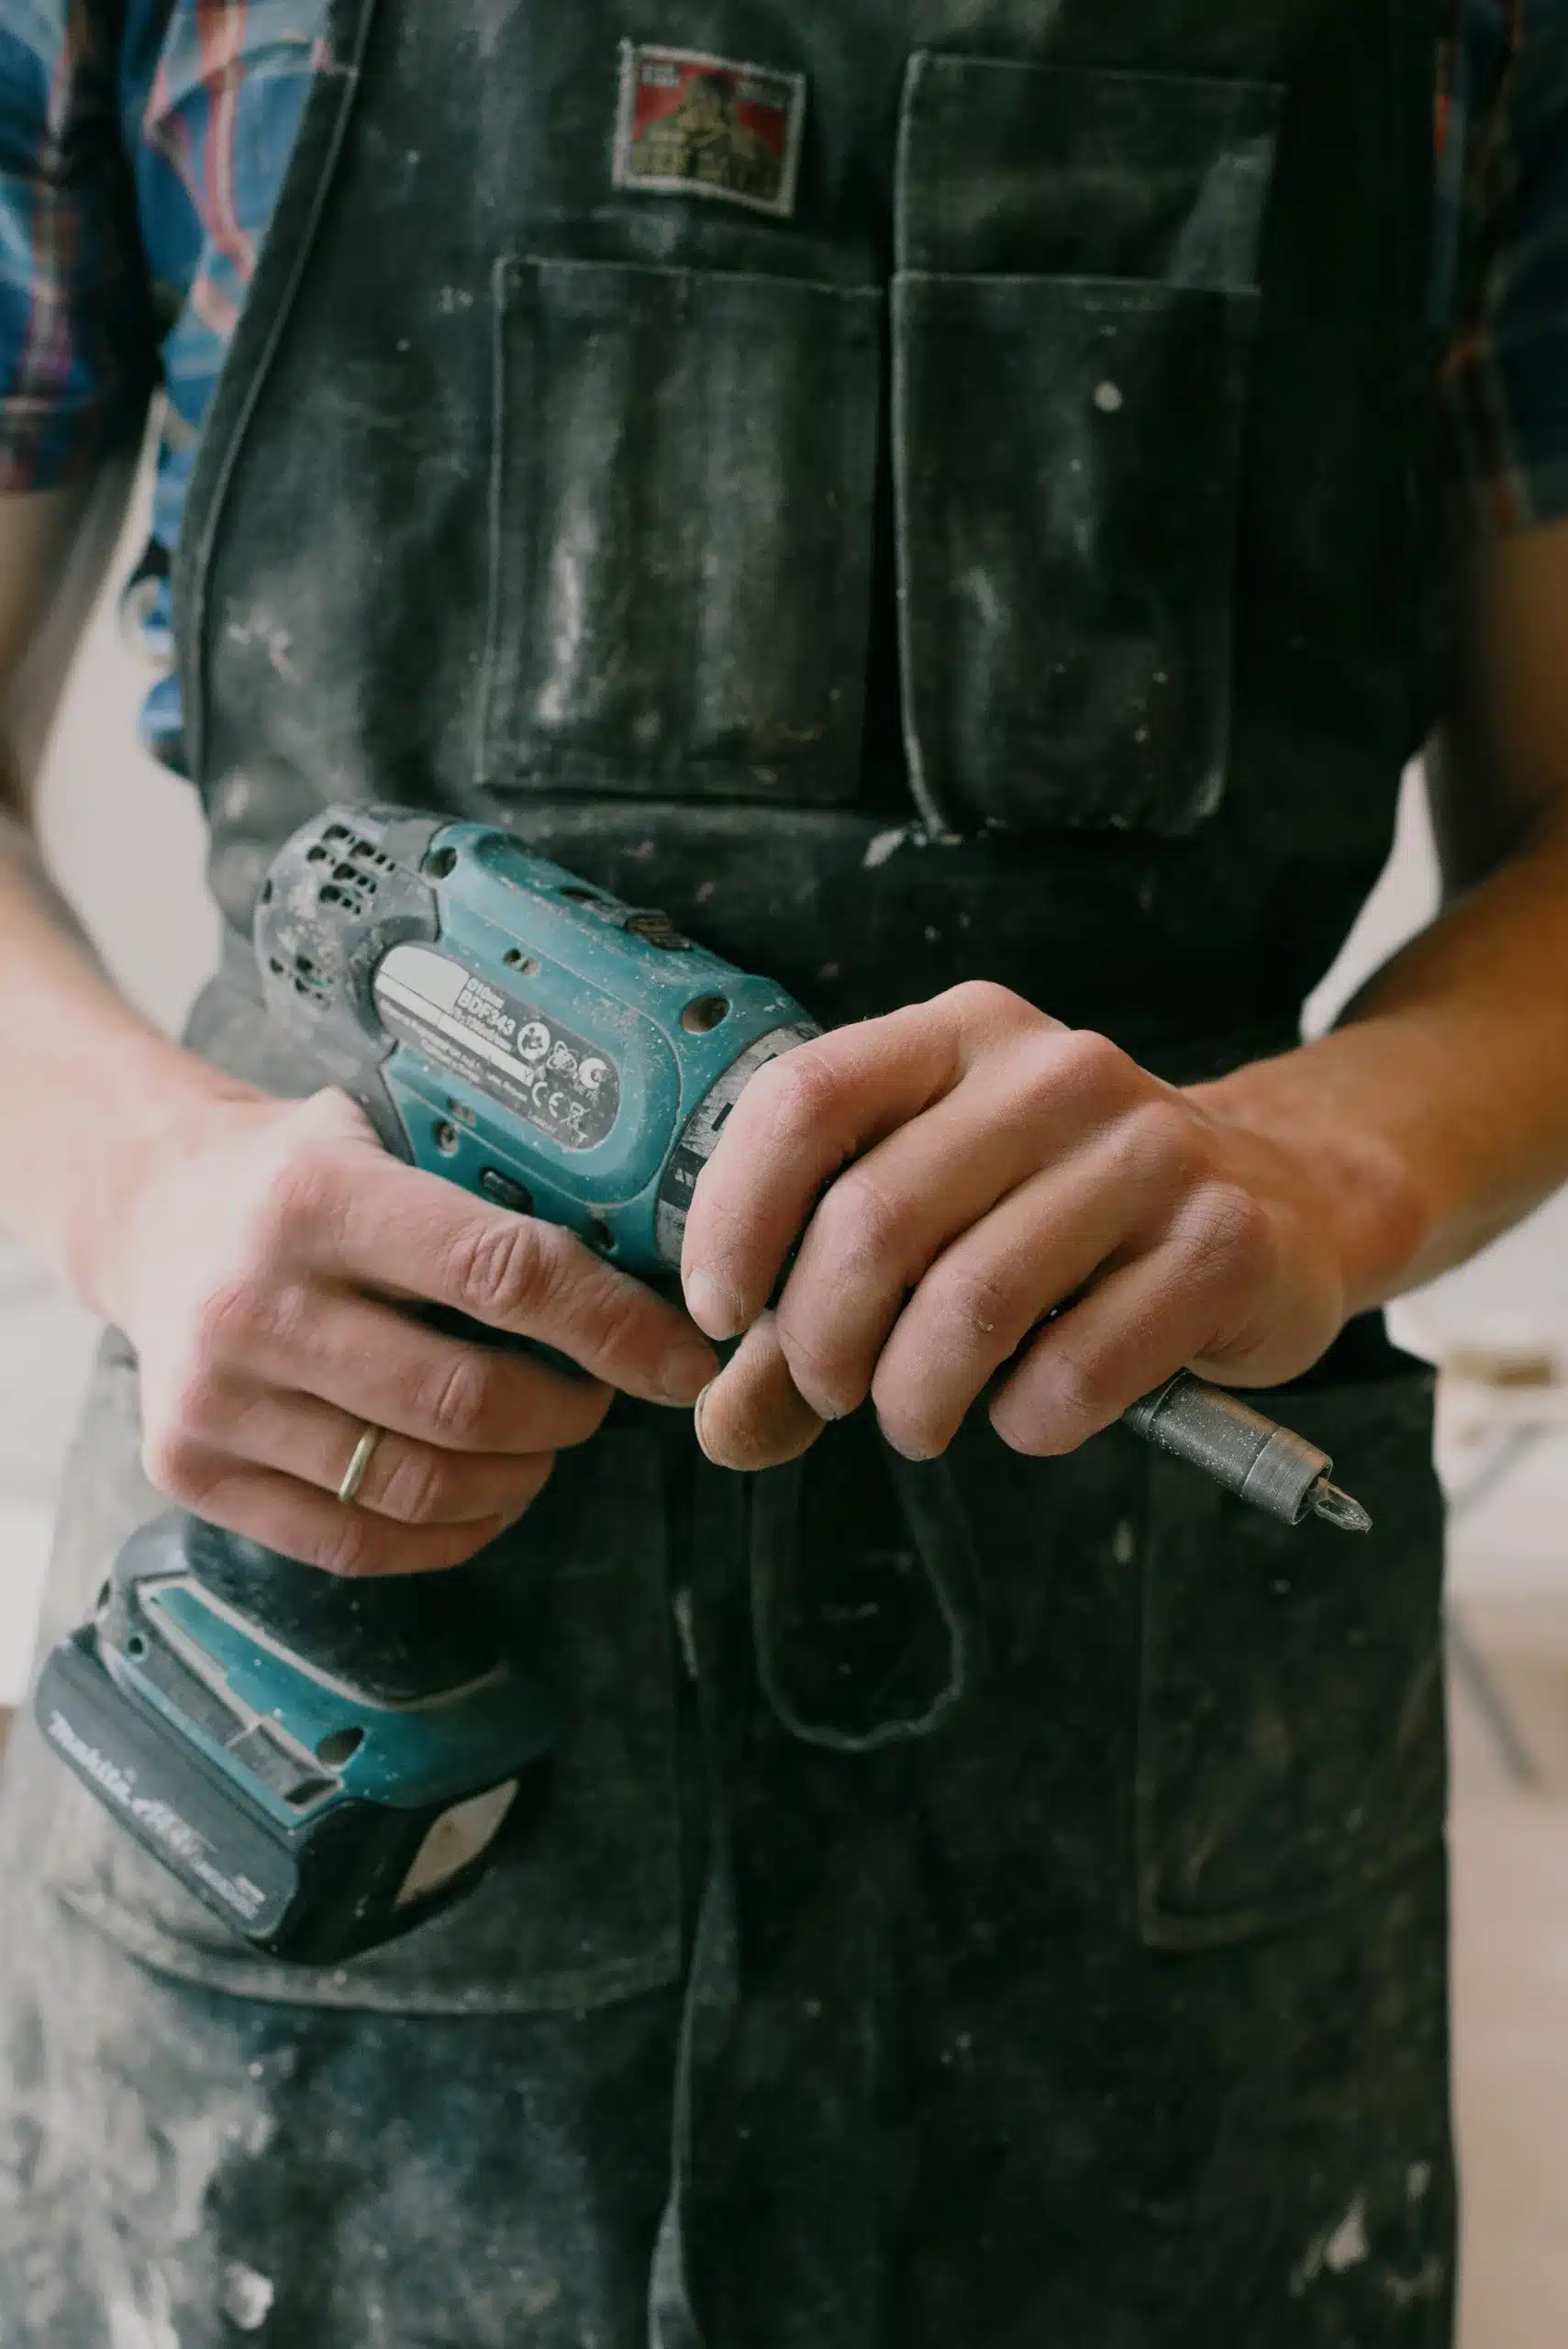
<point>386,1226</point>
<point>294,1518</point>
<point>751,1416</point>
<point>1136,1327</point>
<point>418,1484</point>
<point>381,1365</point>
<point>798,1122</point>
<point>985,1292</point>
<point>878,1229</point>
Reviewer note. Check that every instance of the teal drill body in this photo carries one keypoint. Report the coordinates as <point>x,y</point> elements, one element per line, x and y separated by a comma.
<point>534,1040</point>
<point>323,1764</point>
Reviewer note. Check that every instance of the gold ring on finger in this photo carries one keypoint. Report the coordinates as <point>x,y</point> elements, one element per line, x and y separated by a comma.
<point>365,1452</point>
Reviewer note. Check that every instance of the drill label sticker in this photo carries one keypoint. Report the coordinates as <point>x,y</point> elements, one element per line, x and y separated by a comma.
<point>693,125</point>
<point>560,1083</point>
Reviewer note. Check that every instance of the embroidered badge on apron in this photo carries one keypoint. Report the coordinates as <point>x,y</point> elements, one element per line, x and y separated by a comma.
<point>691,125</point>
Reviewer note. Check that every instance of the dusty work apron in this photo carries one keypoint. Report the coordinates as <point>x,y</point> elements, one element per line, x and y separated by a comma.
<point>921,489</point>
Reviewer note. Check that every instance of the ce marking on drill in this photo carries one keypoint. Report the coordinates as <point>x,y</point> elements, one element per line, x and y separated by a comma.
<point>562,1085</point>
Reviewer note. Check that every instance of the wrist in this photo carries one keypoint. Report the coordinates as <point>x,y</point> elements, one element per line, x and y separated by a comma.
<point>165,1102</point>
<point>1358,1189</point>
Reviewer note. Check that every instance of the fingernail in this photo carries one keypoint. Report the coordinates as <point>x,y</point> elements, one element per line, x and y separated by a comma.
<point>913,1448</point>
<point>687,1372</point>
<point>698,1410</point>
<point>713,1306</point>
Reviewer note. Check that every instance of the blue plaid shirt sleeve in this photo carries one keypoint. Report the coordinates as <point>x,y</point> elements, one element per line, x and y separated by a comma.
<point>1501,292</point>
<point>76,340</point>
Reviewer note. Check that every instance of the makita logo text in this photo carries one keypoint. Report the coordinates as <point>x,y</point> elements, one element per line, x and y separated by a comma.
<point>121,1783</point>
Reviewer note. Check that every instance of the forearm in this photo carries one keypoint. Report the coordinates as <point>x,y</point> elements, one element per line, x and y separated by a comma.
<point>89,1091</point>
<point>1439,1107</point>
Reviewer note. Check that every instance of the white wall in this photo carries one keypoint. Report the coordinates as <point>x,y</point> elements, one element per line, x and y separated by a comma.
<point>1520,1287</point>
<point>125,836</point>
<point>127,842</point>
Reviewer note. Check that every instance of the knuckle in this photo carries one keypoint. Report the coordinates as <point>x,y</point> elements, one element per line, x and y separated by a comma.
<point>301,1202</point>
<point>349,1548</point>
<point>973,1305</point>
<point>986,1003</point>
<point>1227,1233</point>
<point>418,1486</point>
<point>330,1118</point>
<point>196,1405</point>
<point>503,1266</point>
<point>232,1317</point>
<point>174,1463</point>
<point>801,1089</point>
<point>1160,1143</point>
<point>1078,1400</point>
<point>455,1401</point>
<point>616,1329</point>
<point>1090,1064</point>
<point>1072,1068</point>
<point>860,1219</point>
<point>1040,1080</point>
<point>251,1310</point>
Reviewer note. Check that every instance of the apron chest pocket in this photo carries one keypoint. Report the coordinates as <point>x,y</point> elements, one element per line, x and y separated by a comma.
<point>1073,317</point>
<point>684,470</point>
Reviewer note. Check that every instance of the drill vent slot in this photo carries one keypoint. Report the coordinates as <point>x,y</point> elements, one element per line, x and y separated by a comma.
<point>349,888</point>
<point>338,843</point>
<point>302,973</point>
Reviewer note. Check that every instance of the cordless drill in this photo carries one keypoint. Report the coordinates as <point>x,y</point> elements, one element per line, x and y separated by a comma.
<point>325,1763</point>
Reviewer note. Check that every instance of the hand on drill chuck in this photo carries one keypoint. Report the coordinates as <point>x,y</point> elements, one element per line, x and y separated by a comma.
<point>264,1266</point>
<point>958,1170</point>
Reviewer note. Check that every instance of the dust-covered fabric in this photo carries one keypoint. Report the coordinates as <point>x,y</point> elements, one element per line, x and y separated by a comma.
<point>1104,2009</point>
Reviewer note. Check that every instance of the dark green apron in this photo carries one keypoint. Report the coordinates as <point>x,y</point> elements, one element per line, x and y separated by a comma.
<point>920,491</point>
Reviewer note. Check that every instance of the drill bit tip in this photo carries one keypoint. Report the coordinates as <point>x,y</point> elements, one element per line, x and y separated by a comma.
<point>1339,1510</point>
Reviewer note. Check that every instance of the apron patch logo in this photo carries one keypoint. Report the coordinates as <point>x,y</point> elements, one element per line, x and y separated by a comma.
<point>691,125</point>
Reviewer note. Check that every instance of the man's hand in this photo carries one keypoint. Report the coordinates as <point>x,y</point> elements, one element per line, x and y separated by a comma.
<point>261,1267</point>
<point>963,1170</point>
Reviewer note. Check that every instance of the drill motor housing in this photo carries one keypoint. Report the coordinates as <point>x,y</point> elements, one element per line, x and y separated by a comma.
<point>510,1028</point>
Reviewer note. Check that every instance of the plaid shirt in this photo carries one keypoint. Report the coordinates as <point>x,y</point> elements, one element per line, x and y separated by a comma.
<point>142,146</point>
<point>1500,261</point>
<point>142,143</point>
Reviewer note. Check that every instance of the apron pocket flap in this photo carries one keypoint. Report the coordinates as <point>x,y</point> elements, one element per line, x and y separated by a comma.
<point>1059,171</point>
